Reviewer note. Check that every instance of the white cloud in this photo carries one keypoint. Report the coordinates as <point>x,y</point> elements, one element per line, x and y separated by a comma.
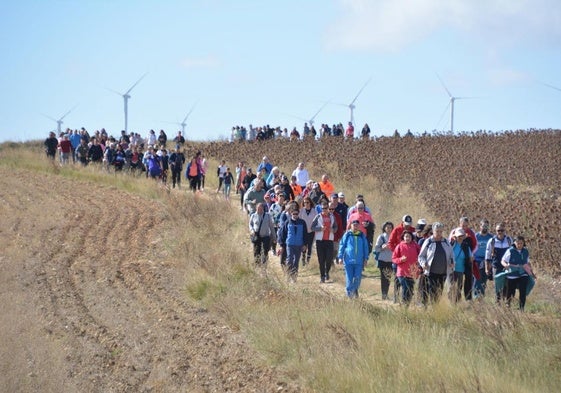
<point>390,25</point>
<point>200,62</point>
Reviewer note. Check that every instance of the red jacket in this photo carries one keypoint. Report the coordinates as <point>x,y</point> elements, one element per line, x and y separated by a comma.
<point>395,236</point>
<point>407,268</point>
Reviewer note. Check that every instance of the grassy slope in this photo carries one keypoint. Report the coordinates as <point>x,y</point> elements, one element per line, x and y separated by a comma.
<point>333,345</point>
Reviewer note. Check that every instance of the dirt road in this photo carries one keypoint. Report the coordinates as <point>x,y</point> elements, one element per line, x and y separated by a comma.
<point>86,306</point>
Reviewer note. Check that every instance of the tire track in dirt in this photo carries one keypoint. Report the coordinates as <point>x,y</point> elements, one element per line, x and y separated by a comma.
<point>92,271</point>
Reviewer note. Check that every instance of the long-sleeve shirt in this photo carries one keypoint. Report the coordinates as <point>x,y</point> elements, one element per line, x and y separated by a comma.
<point>410,250</point>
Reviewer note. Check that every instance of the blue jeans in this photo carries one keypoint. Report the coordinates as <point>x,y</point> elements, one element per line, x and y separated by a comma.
<point>293,258</point>
<point>353,275</point>
<point>407,285</point>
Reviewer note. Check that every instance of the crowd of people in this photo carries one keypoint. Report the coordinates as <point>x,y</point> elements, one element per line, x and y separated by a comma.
<point>308,131</point>
<point>292,215</point>
<point>131,152</point>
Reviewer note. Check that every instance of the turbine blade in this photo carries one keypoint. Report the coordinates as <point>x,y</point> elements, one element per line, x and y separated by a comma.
<point>132,87</point>
<point>189,113</point>
<point>442,116</point>
<point>114,91</point>
<point>551,86</point>
<point>49,117</point>
<point>360,91</point>
<point>443,85</point>
<point>66,114</point>
<point>319,110</point>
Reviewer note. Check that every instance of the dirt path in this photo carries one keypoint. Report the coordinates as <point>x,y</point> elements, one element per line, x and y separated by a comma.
<point>87,306</point>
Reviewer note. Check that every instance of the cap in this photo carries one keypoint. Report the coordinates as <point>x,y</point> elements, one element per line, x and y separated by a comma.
<point>316,185</point>
<point>421,224</point>
<point>355,222</point>
<point>334,195</point>
<point>359,196</point>
<point>407,220</point>
<point>459,232</point>
<point>341,195</point>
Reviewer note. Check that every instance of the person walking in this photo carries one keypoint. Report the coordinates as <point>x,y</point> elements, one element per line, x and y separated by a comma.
<point>437,261</point>
<point>324,227</point>
<point>516,262</point>
<point>291,237</point>
<point>383,257</point>
<point>262,234</point>
<point>405,256</point>
<point>353,254</point>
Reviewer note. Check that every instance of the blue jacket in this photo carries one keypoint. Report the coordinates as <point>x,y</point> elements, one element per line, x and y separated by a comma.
<point>292,232</point>
<point>353,248</point>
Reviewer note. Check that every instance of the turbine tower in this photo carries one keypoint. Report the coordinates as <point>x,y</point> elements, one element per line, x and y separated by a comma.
<point>451,103</point>
<point>126,97</point>
<point>59,122</point>
<point>183,123</point>
<point>352,105</point>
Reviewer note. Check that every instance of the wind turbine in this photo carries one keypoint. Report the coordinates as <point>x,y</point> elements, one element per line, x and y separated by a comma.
<point>183,124</point>
<point>451,103</point>
<point>126,97</point>
<point>312,119</point>
<point>352,106</point>
<point>59,122</point>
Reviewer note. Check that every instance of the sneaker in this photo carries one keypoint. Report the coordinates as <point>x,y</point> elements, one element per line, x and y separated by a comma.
<point>327,277</point>
<point>322,280</point>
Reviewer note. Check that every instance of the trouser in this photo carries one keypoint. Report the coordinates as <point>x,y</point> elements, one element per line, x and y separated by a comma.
<point>462,280</point>
<point>176,176</point>
<point>193,180</point>
<point>512,284</point>
<point>220,181</point>
<point>481,283</point>
<point>242,192</point>
<point>261,249</point>
<point>293,254</point>
<point>502,293</point>
<point>385,277</point>
<point>396,284</point>
<point>309,242</point>
<point>435,286</point>
<point>407,286</point>
<point>324,249</point>
<point>353,275</point>
<point>227,189</point>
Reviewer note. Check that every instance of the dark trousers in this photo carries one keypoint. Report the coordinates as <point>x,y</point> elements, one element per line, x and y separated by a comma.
<point>309,242</point>
<point>175,176</point>
<point>462,281</point>
<point>435,286</point>
<point>324,250</point>
<point>512,284</point>
<point>385,277</point>
<point>193,181</point>
<point>261,249</point>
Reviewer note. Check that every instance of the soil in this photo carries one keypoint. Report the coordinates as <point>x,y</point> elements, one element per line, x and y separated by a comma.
<point>86,306</point>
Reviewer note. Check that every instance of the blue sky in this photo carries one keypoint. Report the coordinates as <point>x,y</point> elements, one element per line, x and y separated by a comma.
<point>273,62</point>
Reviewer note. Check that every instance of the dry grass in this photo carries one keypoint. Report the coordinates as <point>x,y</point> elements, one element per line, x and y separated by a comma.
<point>330,344</point>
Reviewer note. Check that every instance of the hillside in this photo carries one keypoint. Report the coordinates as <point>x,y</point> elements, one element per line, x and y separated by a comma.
<point>91,303</point>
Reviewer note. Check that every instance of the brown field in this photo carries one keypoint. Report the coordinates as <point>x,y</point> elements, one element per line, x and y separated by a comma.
<point>93,289</point>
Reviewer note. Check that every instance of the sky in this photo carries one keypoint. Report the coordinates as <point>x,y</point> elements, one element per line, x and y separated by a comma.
<point>243,62</point>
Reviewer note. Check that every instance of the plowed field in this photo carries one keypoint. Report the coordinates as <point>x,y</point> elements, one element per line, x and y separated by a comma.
<point>86,307</point>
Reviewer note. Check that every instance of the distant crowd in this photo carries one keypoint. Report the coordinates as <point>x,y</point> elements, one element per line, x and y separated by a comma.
<point>290,213</point>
